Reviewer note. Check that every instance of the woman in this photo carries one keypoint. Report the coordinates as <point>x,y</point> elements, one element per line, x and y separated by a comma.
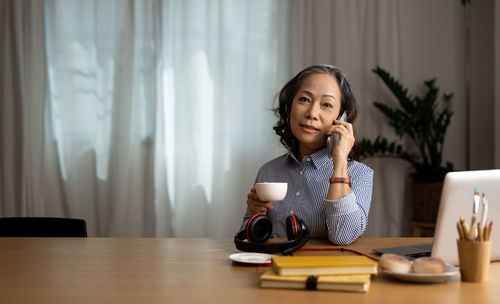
<point>331,193</point>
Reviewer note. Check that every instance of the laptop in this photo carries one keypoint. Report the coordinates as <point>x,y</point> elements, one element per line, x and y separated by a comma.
<point>456,201</point>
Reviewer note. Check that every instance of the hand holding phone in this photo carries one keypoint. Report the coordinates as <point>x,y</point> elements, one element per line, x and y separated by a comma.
<point>332,140</point>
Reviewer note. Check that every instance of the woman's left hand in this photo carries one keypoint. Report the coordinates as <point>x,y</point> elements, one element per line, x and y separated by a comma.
<point>346,139</point>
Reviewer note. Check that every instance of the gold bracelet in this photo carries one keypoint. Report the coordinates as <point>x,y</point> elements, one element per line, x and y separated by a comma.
<point>341,180</point>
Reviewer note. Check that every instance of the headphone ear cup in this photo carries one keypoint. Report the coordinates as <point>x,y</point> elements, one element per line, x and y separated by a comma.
<point>294,226</point>
<point>292,229</point>
<point>259,229</point>
<point>301,226</point>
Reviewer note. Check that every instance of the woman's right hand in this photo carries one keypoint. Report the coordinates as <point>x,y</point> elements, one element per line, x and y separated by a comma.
<point>255,205</point>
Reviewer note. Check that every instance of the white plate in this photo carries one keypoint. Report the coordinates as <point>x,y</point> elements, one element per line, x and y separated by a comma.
<point>450,271</point>
<point>252,258</point>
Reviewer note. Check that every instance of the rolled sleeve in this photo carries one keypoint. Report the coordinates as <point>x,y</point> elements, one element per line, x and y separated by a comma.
<point>342,206</point>
<point>347,217</point>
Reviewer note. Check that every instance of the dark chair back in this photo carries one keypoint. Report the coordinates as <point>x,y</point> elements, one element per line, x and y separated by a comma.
<point>42,227</point>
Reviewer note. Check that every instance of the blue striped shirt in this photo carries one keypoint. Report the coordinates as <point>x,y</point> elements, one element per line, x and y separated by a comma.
<point>342,220</point>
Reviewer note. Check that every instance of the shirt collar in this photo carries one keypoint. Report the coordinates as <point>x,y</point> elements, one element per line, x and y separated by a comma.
<point>318,159</point>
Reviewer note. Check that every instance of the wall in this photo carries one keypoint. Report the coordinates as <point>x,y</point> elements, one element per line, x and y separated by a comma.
<point>482,113</point>
<point>436,48</point>
<point>433,45</point>
<point>497,83</point>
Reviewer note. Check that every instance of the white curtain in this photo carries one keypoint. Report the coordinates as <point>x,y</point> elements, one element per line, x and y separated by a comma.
<point>357,35</point>
<point>102,65</point>
<point>154,117</point>
<point>223,63</point>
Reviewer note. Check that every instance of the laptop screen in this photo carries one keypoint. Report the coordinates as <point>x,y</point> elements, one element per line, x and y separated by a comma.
<point>457,201</point>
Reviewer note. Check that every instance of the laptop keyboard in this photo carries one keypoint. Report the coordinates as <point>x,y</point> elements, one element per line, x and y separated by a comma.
<point>413,256</point>
<point>411,252</point>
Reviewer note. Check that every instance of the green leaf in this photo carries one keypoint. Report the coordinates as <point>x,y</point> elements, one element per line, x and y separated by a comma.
<point>397,89</point>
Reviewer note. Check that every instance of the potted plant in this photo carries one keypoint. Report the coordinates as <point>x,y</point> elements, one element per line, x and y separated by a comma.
<point>423,120</point>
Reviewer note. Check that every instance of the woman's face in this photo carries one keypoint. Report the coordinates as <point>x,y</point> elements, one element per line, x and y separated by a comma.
<point>314,108</point>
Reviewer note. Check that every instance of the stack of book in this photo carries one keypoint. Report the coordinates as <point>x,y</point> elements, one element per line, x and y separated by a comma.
<point>339,273</point>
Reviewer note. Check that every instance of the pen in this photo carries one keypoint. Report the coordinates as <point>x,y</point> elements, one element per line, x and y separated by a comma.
<point>484,212</point>
<point>479,233</point>
<point>475,211</point>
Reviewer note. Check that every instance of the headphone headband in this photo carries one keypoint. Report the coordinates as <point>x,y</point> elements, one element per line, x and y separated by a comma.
<point>286,248</point>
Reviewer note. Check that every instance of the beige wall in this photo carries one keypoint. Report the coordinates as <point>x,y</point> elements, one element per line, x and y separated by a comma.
<point>433,45</point>
<point>433,39</point>
<point>497,83</point>
<point>482,113</point>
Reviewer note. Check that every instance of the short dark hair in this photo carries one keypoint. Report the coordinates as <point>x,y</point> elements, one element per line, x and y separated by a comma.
<point>348,102</point>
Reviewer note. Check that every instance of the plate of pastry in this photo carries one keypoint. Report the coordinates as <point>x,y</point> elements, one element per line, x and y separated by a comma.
<point>422,270</point>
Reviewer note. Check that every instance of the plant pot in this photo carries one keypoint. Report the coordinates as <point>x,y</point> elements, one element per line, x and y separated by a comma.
<point>425,201</point>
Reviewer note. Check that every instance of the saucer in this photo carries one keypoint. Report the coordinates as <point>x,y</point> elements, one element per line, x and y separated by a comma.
<point>450,271</point>
<point>252,258</point>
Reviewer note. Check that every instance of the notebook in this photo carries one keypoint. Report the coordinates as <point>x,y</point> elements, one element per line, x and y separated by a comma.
<point>456,201</point>
<point>359,283</point>
<point>326,265</point>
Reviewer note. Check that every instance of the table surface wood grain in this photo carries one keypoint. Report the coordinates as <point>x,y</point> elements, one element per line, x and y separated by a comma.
<point>191,270</point>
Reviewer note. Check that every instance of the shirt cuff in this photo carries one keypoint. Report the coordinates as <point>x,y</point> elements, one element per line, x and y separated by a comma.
<point>342,206</point>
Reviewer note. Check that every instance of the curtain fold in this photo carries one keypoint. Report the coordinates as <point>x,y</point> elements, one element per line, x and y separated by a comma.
<point>22,100</point>
<point>220,77</point>
<point>102,76</point>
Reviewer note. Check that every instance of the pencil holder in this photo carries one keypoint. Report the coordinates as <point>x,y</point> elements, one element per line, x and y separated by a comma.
<point>474,259</point>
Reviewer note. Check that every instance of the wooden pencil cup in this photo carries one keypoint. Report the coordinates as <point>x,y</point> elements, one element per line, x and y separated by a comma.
<point>474,259</point>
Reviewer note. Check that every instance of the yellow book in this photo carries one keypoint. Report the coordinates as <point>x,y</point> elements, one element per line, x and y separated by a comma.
<point>355,283</point>
<point>323,265</point>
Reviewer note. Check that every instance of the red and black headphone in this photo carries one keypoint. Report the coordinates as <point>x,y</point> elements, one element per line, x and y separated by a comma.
<point>258,229</point>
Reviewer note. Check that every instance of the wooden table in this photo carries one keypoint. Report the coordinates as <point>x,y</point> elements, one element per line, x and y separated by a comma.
<point>178,270</point>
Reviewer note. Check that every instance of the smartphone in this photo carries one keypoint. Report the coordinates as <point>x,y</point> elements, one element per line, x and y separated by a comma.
<point>332,140</point>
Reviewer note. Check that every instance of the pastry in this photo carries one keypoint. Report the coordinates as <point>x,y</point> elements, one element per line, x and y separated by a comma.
<point>395,263</point>
<point>428,265</point>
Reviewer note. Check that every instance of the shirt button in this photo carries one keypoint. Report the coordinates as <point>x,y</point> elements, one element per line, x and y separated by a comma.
<point>308,159</point>
<point>301,172</point>
<point>297,193</point>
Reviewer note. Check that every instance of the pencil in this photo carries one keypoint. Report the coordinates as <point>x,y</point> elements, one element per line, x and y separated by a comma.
<point>485,232</point>
<point>479,233</point>
<point>460,231</point>
<point>490,226</point>
<point>467,235</point>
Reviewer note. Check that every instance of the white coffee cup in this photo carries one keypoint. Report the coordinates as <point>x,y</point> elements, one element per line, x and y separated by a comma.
<point>271,191</point>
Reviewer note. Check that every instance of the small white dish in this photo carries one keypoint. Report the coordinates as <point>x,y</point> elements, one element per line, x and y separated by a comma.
<point>450,271</point>
<point>252,258</point>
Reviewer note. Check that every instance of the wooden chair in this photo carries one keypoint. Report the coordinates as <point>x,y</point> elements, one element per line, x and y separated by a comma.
<point>42,227</point>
